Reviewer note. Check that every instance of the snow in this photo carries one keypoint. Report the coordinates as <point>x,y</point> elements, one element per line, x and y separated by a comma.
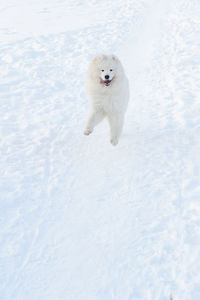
<point>79,218</point>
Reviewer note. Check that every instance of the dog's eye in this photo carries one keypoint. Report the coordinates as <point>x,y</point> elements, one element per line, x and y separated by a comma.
<point>110,70</point>
<point>102,70</point>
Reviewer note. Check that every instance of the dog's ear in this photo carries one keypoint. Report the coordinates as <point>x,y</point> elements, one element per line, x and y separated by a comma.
<point>98,58</point>
<point>114,57</point>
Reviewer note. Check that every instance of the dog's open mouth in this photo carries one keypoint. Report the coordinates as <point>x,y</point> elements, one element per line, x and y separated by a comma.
<point>105,82</point>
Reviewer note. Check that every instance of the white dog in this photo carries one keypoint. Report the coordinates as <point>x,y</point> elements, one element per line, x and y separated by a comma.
<point>108,92</point>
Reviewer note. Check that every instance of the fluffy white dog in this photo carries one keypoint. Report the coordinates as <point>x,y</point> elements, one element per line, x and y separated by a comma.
<point>108,92</point>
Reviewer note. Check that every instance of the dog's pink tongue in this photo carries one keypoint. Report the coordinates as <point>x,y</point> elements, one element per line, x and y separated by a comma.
<point>106,82</point>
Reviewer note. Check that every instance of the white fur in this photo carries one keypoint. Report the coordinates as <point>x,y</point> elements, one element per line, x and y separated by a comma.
<point>107,101</point>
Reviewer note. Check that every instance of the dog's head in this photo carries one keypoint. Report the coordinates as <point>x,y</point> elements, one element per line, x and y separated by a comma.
<point>105,69</point>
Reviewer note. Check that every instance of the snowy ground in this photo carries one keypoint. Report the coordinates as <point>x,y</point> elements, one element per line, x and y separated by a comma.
<point>80,219</point>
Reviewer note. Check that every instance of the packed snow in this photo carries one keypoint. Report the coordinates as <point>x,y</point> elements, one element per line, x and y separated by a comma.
<point>79,218</point>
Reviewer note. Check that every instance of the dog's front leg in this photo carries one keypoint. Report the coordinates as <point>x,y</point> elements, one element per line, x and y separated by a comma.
<point>94,118</point>
<point>116,125</point>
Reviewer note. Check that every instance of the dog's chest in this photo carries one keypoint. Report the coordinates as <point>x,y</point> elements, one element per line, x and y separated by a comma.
<point>107,102</point>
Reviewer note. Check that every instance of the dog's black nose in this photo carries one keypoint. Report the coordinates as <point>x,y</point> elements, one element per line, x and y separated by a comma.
<point>107,77</point>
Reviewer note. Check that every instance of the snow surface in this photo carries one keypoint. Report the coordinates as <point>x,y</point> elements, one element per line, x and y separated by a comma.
<point>79,218</point>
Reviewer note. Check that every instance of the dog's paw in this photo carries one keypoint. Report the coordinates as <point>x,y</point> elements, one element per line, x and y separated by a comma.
<point>87,131</point>
<point>114,141</point>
